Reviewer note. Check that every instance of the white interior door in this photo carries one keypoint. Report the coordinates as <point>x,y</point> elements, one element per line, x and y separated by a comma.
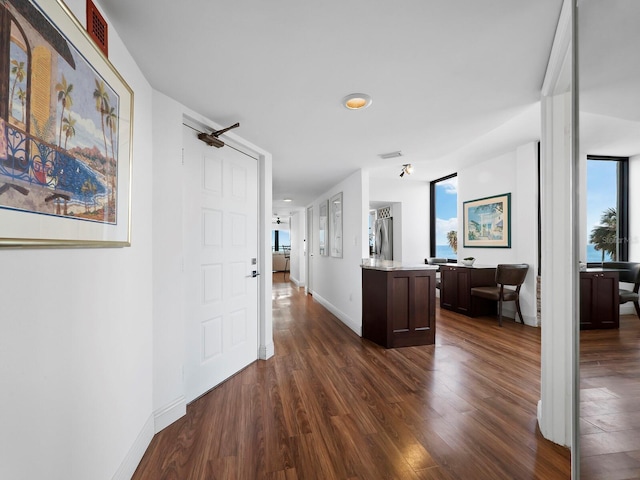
<point>221,250</point>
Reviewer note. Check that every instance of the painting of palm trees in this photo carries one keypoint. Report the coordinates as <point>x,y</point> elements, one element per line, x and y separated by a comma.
<point>61,122</point>
<point>487,222</point>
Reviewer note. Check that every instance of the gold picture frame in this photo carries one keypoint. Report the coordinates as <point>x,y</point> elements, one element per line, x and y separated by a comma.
<point>66,132</point>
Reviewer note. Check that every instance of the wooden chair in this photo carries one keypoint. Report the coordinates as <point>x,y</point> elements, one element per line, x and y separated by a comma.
<point>629,272</point>
<point>511,275</point>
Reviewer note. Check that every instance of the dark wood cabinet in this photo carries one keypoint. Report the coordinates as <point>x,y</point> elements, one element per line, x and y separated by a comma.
<point>398,307</point>
<point>456,283</point>
<point>599,300</point>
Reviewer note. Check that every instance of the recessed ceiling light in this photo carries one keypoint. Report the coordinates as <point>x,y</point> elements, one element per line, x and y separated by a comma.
<point>287,200</point>
<point>356,101</point>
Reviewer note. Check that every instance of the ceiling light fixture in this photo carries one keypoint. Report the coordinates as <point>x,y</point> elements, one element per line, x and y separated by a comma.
<point>406,168</point>
<point>287,200</point>
<point>356,101</point>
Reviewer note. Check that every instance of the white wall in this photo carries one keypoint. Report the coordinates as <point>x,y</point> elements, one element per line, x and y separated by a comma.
<point>410,201</point>
<point>514,172</point>
<point>76,337</point>
<point>168,307</point>
<point>337,282</point>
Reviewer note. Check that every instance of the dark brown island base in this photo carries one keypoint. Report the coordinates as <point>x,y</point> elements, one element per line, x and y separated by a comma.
<point>398,303</point>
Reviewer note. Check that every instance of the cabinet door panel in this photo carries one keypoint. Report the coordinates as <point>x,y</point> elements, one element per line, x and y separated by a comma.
<point>586,287</point>
<point>464,295</point>
<point>400,304</point>
<point>448,287</point>
<point>605,301</point>
<point>422,302</point>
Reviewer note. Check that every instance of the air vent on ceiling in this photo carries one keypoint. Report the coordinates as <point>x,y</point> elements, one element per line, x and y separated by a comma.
<point>391,155</point>
<point>97,28</point>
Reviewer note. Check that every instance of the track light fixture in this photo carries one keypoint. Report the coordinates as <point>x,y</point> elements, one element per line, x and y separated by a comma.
<point>212,139</point>
<point>406,168</point>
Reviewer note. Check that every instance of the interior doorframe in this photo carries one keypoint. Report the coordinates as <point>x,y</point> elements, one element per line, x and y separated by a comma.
<point>266,347</point>
<point>308,284</point>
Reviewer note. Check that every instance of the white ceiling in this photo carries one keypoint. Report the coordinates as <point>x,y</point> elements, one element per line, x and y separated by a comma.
<point>442,74</point>
<point>609,77</point>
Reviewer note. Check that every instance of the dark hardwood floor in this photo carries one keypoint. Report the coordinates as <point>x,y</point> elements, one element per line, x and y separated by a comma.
<point>330,405</point>
<point>610,402</point>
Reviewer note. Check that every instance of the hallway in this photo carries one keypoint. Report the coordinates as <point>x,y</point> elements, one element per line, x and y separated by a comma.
<point>330,405</point>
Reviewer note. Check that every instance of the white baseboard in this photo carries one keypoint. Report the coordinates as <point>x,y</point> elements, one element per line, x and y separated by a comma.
<point>163,417</point>
<point>539,416</point>
<point>343,317</point>
<point>296,282</point>
<point>131,461</point>
<point>507,312</point>
<point>627,309</point>
<point>265,352</point>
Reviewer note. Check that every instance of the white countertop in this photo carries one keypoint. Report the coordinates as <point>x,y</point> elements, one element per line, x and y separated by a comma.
<point>462,265</point>
<point>390,265</point>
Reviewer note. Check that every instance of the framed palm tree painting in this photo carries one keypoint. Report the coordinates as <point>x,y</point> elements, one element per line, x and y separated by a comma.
<point>487,222</point>
<point>65,133</point>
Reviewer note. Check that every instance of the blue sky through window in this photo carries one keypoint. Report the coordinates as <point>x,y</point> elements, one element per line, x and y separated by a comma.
<point>602,194</point>
<point>446,214</point>
<point>284,239</point>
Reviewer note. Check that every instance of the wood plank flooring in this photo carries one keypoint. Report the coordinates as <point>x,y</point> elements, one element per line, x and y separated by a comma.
<point>610,402</point>
<point>330,405</point>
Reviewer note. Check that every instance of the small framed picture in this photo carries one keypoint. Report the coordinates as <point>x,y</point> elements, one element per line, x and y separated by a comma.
<point>487,222</point>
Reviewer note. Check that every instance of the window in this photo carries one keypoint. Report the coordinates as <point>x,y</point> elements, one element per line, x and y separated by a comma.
<point>444,217</point>
<point>280,239</point>
<point>607,208</point>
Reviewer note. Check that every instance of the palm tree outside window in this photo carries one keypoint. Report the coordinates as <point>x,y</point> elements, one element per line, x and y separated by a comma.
<point>444,217</point>
<point>607,209</point>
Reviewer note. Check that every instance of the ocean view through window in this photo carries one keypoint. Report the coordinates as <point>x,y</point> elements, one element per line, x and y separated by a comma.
<point>444,217</point>
<point>607,209</point>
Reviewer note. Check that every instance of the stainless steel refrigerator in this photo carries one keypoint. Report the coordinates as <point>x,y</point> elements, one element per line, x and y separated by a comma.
<point>383,248</point>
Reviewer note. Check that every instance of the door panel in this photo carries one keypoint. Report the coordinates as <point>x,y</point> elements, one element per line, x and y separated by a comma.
<point>220,244</point>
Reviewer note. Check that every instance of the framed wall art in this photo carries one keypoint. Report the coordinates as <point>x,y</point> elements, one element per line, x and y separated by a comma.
<point>487,222</point>
<point>323,235</point>
<point>335,225</point>
<point>65,133</point>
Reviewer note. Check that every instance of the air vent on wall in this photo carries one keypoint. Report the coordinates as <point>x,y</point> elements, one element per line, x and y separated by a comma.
<point>390,155</point>
<point>384,212</point>
<point>97,28</point>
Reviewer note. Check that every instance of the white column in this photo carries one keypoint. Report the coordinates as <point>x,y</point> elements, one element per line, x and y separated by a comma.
<point>558,279</point>
<point>559,237</point>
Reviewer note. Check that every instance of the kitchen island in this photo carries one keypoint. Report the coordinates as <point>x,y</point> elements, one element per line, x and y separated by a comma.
<point>398,303</point>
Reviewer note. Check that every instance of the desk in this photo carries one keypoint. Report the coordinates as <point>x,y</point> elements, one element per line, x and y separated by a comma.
<point>456,282</point>
<point>599,299</point>
<point>398,303</point>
